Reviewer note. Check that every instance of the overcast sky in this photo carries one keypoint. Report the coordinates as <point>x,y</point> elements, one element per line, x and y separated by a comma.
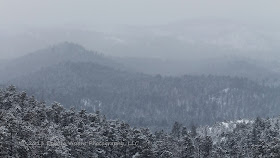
<point>19,17</point>
<point>84,13</point>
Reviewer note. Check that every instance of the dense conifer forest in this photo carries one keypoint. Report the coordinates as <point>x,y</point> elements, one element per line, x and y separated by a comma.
<point>29,128</point>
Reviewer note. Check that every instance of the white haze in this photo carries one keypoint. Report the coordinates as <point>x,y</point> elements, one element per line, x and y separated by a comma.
<point>180,29</point>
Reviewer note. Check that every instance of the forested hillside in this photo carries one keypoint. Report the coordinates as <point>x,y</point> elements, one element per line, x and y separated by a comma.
<point>76,77</point>
<point>151,101</point>
<point>60,53</point>
<point>139,79</point>
<point>29,128</point>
